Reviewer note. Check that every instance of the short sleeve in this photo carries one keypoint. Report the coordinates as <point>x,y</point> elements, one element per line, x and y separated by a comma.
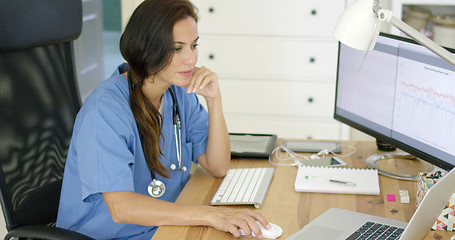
<point>104,150</point>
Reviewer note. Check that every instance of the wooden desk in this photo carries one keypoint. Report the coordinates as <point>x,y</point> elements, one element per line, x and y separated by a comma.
<point>291,210</point>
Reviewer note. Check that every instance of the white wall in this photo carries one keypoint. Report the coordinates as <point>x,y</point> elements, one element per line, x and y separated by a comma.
<point>128,7</point>
<point>356,135</point>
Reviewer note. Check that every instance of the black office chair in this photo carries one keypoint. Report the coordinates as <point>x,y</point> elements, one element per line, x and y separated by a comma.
<point>39,100</point>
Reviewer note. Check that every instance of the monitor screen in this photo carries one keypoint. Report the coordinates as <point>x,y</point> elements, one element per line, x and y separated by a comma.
<point>401,93</point>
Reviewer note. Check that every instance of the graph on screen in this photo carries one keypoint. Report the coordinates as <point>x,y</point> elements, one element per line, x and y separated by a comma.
<point>425,97</point>
<point>369,98</point>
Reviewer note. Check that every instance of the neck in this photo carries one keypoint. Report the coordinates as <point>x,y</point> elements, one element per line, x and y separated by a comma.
<point>154,92</point>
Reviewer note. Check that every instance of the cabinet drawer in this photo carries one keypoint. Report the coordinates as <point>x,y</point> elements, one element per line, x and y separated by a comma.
<point>268,58</point>
<point>280,18</point>
<point>278,98</point>
<point>285,127</point>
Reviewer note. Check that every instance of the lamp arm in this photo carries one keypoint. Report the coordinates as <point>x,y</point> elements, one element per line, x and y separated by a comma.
<point>386,15</point>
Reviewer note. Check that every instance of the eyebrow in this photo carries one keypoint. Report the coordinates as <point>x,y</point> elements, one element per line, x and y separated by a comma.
<point>195,40</point>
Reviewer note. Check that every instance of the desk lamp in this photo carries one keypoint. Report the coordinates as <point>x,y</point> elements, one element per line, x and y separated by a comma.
<point>358,27</point>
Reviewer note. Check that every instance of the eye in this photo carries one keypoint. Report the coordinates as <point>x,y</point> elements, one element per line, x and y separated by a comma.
<point>195,45</point>
<point>177,49</point>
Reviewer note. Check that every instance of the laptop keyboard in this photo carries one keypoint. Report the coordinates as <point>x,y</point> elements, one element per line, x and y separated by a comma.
<point>373,230</point>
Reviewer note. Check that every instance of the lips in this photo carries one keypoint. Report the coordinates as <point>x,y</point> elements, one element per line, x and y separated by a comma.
<point>187,73</point>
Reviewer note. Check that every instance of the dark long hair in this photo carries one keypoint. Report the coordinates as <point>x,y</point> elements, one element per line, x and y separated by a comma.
<point>146,44</point>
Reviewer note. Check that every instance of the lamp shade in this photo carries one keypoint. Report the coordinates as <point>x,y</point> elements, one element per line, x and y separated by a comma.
<point>358,26</point>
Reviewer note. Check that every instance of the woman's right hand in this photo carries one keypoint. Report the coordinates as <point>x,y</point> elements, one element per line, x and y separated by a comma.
<point>233,219</point>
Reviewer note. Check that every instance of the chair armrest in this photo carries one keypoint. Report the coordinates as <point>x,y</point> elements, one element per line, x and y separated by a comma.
<point>45,232</point>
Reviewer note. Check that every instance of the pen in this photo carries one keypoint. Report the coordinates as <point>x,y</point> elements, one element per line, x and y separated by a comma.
<point>342,182</point>
<point>333,181</point>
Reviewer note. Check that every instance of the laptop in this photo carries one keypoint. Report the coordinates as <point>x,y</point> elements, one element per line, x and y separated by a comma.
<point>337,224</point>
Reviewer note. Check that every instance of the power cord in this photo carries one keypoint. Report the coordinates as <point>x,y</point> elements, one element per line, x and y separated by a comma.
<point>296,158</point>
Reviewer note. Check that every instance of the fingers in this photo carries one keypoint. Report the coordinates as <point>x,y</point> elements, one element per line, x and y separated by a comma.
<point>194,79</point>
<point>198,76</point>
<point>200,79</point>
<point>258,219</point>
<point>207,80</point>
<point>237,220</point>
<point>263,221</point>
<point>234,230</point>
<point>246,226</point>
<point>255,228</point>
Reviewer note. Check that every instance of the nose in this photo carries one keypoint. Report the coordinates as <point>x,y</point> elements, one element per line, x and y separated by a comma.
<point>191,56</point>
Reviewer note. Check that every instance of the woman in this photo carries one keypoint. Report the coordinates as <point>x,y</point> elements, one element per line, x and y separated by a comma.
<point>137,133</point>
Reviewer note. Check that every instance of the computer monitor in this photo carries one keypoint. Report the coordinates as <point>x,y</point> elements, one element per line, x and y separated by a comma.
<point>400,93</point>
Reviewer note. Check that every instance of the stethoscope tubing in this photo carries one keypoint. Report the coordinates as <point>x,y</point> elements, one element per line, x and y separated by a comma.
<point>177,129</point>
<point>178,144</point>
<point>156,188</point>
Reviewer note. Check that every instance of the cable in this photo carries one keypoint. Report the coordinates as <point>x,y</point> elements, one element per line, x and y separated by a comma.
<point>295,157</point>
<point>348,154</point>
<point>288,152</point>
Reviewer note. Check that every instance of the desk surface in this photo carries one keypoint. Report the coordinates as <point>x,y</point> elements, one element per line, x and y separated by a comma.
<point>291,210</point>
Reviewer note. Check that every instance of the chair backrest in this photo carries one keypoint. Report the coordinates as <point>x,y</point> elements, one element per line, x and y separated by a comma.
<point>39,100</point>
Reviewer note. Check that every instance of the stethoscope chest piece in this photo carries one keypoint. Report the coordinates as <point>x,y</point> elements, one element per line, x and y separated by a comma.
<point>156,188</point>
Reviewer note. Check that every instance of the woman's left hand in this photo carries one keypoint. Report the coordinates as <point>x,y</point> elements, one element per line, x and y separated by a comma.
<point>204,82</point>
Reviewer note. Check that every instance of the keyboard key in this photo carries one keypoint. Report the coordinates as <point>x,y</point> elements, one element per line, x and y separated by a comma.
<point>354,236</point>
<point>377,231</point>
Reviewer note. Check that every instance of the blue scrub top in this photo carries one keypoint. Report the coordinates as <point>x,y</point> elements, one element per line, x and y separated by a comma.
<point>106,155</point>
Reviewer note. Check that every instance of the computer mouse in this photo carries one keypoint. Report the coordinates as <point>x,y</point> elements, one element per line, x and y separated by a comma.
<point>272,233</point>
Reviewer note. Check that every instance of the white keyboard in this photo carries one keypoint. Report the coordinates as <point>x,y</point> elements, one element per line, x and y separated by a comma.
<point>243,186</point>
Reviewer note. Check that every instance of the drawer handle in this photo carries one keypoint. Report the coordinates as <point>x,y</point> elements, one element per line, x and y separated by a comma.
<point>312,59</point>
<point>211,9</point>
<point>211,56</point>
<point>314,12</point>
<point>310,100</point>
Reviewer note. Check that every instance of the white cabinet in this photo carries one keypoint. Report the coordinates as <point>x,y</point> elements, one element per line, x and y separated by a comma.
<point>269,58</point>
<point>311,18</point>
<point>276,61</point>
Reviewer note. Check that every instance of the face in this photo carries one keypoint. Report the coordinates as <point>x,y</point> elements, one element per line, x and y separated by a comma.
<point>180,69</point>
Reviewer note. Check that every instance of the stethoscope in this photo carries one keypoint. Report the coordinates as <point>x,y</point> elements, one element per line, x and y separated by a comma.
<point>156,188</point>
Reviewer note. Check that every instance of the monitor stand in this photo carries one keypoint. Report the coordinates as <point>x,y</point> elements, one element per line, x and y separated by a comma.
<point>373,162</point>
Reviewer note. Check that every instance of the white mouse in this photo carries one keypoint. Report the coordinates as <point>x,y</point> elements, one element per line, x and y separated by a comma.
<point>272,233</point>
